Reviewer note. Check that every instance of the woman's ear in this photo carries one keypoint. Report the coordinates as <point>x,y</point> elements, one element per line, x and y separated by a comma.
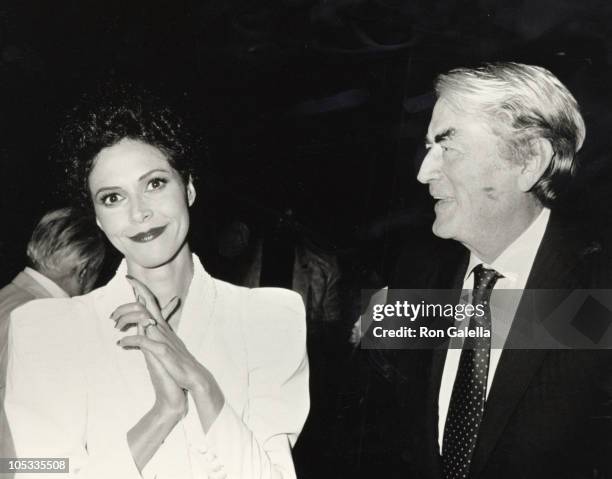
<point>541,154</point>
<point>191,192</point>
<point>98,223</point>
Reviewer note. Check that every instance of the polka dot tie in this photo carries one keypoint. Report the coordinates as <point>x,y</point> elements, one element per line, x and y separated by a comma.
<point>467,402</point>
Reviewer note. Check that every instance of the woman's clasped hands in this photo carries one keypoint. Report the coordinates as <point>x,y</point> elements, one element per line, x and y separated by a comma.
<point>173,370</point>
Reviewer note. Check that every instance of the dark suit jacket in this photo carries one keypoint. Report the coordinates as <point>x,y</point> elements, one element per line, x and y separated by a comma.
<point>549,412</point>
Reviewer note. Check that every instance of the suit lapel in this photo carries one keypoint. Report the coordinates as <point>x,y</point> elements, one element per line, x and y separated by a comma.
<point>455,270</point>
<point>514,373</point>
<point>552,269</point>
<point>437,367</point>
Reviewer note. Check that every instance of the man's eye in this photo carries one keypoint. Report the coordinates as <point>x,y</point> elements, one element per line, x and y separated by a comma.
<point>443,146</point>
<point>111,199</point>
<point>157,183</point>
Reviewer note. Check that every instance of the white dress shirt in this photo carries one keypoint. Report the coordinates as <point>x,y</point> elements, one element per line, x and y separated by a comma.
<point>72,392</point>
<point>514,264</point>
<point>52,288</point>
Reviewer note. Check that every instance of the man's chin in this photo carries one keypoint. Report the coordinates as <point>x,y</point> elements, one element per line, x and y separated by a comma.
<point>441,229</point>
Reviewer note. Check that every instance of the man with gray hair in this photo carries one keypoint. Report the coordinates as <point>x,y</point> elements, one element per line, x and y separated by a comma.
<point>65,254</point>
<point>502,145</point>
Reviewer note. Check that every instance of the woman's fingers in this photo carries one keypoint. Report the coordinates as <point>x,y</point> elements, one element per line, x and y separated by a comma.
<point>127,308</point>
<point>136,314</point>
<point>145,296</point>
<point>142,318</point>
<point>159,350</point>
<point>168,394</point>
<point>132,314</point>
<point>170,308</point>
<point>171,355</point>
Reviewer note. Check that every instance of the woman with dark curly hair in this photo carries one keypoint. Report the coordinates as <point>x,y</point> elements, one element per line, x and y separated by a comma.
<point>165,371</point>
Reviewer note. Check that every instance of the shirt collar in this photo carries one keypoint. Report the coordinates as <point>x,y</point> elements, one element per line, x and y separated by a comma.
<point>49,285</point>
<point>516,260</point>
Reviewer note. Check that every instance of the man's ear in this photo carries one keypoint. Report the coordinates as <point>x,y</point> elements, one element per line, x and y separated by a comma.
<point>82,272</point>
<point>191,192</point>
<point>535,164</point>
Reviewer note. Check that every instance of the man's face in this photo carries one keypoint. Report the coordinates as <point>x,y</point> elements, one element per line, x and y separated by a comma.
<point>476,190</point>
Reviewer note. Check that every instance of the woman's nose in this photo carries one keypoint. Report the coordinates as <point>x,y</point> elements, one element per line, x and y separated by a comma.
<point>140,210</point>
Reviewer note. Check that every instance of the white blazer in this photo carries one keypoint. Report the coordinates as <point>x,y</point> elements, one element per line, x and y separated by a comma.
<point>72,392</point>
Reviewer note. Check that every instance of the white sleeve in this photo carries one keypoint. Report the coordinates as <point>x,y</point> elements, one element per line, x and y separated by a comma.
<point>257,445</point>
<point>46,392</point>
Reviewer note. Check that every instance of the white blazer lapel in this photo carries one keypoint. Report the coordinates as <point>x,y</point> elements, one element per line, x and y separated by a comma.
<point>198,308</point>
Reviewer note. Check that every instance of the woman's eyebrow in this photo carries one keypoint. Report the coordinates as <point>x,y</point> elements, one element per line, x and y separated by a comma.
<point>155,170</point>
<point>106,188</point>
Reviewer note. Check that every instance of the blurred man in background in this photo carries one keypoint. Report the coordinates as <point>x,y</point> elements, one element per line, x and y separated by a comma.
<point>65,254</point>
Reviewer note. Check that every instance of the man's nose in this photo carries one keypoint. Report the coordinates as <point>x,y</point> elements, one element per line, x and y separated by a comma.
<point>430,168</point>
<point>140,210</point>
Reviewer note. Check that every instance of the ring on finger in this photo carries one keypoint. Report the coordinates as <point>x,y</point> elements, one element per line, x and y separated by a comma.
<point>152,322</point>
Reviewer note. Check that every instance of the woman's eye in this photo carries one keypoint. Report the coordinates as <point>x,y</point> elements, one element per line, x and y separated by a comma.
<point>111,199</point>
<point>157,183</point>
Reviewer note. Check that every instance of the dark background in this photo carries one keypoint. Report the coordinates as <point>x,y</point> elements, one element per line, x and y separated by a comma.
<point>318,106</point>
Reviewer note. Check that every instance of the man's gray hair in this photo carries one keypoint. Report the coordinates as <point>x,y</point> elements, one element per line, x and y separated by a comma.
<point>522,103</point>
<point>63,240</point>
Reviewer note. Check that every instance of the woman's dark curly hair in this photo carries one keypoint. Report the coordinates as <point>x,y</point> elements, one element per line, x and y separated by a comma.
<point>102,120</point>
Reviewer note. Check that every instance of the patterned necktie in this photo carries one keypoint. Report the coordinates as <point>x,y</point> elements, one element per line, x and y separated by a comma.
<point>467,402</point>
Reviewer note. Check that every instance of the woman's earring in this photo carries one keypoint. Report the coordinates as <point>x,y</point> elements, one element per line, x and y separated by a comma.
<point>191,194</point>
